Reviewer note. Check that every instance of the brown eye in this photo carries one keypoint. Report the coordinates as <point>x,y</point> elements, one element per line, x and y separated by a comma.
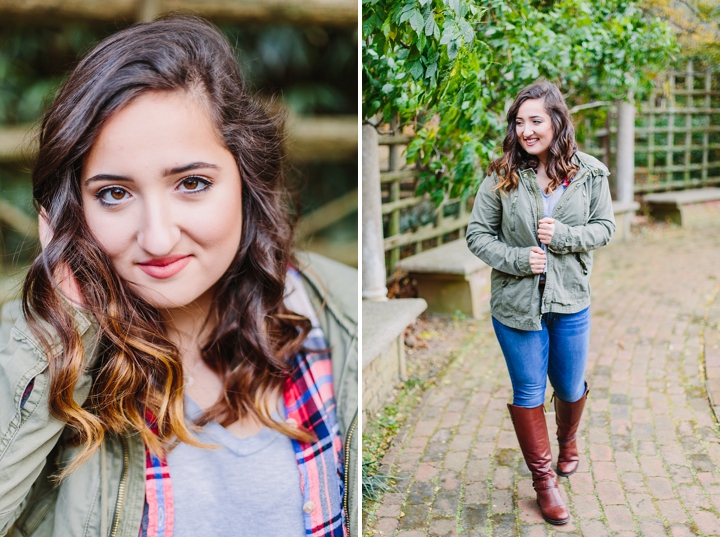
<point>112,195</point>
<point>191,184</point>
<point>194,185</point>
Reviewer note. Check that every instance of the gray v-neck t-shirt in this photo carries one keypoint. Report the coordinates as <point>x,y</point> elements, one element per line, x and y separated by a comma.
<point>244,488</point>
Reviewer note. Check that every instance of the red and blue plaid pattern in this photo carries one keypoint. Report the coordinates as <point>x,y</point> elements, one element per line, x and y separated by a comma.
<point>157,520</point>
<point>310,400</point>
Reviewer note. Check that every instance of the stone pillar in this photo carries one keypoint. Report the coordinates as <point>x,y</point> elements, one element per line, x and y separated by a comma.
<point>625,181</point>
<point>373,253</point>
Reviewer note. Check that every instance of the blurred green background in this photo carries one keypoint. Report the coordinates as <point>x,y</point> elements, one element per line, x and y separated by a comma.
<point>306,60</point>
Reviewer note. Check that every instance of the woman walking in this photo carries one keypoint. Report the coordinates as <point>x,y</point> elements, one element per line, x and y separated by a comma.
<point>539,213</point>
<point>174,368</point>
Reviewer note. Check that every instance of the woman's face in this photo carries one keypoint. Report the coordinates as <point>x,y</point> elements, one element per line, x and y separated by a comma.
<point>533,127</point>
<point>162,196</point>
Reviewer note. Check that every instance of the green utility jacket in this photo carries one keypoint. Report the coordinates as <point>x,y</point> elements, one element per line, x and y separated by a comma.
<point>503,228</point>
<point>106,495</point>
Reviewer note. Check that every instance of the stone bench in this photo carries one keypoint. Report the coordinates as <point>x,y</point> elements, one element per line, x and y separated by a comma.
<point>624,215</point>
<point>693,207</point>
<point>383,347</point>
<point>451,279</point>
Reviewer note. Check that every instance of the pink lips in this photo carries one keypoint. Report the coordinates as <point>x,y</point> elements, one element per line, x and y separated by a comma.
<point>164,267</point>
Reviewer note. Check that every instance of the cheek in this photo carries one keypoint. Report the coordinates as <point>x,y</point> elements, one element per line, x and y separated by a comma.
<point>219,226</point>
<point>111,231</point>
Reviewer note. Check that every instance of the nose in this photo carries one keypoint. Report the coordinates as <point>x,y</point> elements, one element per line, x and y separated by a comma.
<point>527,130</point>
<point>158,233</point>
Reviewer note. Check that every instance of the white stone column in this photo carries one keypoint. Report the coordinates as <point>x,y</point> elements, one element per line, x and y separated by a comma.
<point>625,180</point>
<point>373,254</point>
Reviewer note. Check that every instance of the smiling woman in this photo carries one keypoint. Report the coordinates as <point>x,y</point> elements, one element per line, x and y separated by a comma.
<point>154,180</point>
<point>173,364</point>
<point>540,212</point>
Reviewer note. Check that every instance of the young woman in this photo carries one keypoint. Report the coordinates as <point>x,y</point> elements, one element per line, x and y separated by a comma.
<point>539,213</point>
<point>174,369</point>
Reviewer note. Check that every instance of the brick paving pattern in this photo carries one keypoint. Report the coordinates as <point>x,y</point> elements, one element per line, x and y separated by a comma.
<point>649,442</point>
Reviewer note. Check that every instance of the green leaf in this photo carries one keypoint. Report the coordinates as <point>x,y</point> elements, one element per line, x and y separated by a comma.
<point>417,22</point>
<point>430,25</point>
<point>416,69</point>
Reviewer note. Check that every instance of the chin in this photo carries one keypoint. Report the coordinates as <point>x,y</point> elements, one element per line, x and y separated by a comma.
<point>167,299</point>
<point>535,150</point>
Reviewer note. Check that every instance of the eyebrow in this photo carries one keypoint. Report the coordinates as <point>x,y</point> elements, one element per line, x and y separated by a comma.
<point>531,117</point>
<point>166,173</point>
<point>188,167</point>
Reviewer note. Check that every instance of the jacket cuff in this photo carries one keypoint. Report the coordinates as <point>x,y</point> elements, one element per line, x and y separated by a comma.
<point>523,263</point>
<point>561,239</point>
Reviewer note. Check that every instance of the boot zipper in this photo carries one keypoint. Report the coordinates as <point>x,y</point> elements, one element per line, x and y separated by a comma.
<point>121,488</point>
<point>346,477</point>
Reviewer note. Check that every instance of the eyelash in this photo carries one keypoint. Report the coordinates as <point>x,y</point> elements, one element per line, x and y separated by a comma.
<point>201,180</point>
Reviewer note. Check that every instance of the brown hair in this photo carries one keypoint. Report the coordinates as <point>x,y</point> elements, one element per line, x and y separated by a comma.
<point>563,147</point>
<point>138,368</point>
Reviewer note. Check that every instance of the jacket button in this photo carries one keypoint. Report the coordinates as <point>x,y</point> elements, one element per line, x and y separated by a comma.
<point>517,277</point>
<point>309,507</point>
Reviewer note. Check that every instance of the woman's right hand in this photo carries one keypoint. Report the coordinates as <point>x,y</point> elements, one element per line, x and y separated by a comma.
<point>66,281</point>
<point>537,260</point>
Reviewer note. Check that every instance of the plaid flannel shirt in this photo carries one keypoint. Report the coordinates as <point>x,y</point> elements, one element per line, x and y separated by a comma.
<point>309,400</point>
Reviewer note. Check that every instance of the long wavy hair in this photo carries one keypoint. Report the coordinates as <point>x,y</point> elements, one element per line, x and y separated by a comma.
<point>138,368</point>
<point>559,163</point>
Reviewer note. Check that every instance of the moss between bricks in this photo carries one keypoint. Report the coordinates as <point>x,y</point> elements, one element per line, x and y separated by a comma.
<point>438,342</point>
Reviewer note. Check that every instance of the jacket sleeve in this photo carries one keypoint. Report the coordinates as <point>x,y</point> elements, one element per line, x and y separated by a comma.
<point>600,226</point>
<point>482,234</point>
<point>28,431</point>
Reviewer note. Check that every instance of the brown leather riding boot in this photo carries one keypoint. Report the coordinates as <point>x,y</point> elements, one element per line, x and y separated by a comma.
<point>532,434</point>
<point>567,418</point>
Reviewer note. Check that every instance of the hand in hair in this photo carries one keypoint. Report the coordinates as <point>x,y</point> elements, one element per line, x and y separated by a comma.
<point>66,282</point>
<point>537,260</point>
<point>546,230</point>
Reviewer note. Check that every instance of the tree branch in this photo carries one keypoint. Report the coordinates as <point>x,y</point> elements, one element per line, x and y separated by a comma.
<point>596,104</point>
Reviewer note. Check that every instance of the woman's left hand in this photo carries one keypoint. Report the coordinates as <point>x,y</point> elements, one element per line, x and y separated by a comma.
<point>546,229</point>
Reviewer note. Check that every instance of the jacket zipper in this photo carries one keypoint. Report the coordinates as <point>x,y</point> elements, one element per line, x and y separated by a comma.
<point>346,477</point>
<point>121,489</point>
<point>538,206</point>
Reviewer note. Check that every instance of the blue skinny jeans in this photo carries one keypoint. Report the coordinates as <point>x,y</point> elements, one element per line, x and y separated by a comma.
<point>558,351</point>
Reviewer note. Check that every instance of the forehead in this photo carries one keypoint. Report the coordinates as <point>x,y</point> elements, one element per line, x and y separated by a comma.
<point>532,107</point>
<point>156,130</point>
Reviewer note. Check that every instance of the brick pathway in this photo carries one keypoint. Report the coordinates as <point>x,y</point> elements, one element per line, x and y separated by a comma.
<point>649,443</point>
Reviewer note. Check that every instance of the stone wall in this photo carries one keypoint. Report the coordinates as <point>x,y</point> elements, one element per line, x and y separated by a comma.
<point>381,376</point>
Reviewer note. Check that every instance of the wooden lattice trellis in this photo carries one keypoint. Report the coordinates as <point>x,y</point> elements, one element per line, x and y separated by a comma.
<point>412,223</point>
<point>677,133</point>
